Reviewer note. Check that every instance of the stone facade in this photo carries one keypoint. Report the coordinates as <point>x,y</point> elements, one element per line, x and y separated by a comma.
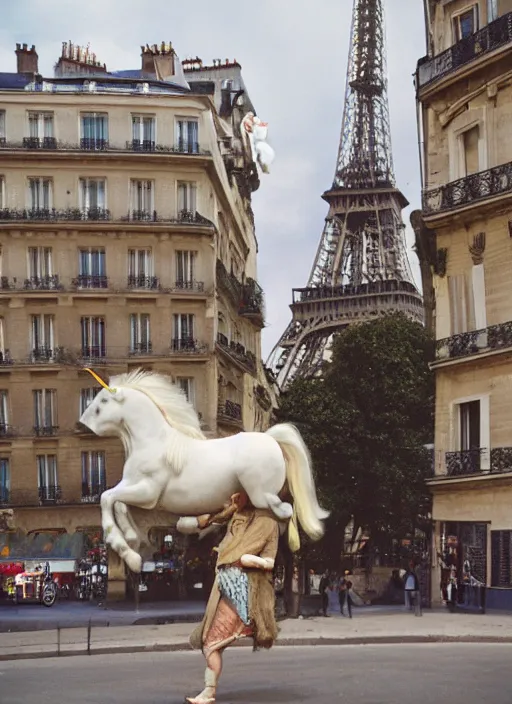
<point>465,108</point>
<point>127,240</point>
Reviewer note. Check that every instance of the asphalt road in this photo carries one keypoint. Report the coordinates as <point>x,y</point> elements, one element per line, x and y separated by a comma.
<point>422,674</point>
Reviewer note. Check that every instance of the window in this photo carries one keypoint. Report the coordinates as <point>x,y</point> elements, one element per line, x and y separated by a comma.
<point>94,131</point>
<point>462,314</point>
<point>93,337</point>
<point>183,331</point>
<point>2,341</point>
<point>2,125</point>
<point>93,198</point>
<point>49,490</point>
<point>140,337</point>
<point>470,142</point>
<point>3,201</point>
<point>185,268</point>
<point>42,337</point>
<point>40,130</point>
<point>141,200</point>
<point>492,10</point>
<point>187,136</point>
<point>501,558</point>
<point>45,411</point>
<point>469,418</point>
<point>5,480</point>
<point>40,193</point>
<point>39,262</point>
<point>4,411</point>
<point>143,132</point>
<point>92,268</point>
<point>186,384</point>
<point>187,197</point>
<point>93,475</point>
<point>87,396</point>
<point>140,268</point>
<point>465,24</point>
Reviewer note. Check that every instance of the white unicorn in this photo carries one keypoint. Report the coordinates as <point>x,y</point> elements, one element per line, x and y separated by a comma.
<point>171,465</point>
<point>255,132</point>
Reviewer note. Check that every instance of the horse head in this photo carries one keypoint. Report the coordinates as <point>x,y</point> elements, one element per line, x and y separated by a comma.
<point>104,415</point>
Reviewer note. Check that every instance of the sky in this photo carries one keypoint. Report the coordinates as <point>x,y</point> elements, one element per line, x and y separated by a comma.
<point>294,60</point>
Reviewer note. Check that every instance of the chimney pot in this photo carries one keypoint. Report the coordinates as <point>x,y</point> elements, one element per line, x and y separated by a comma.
<point>18,47</point>
<point>24,47</point>
<point>26,60</point>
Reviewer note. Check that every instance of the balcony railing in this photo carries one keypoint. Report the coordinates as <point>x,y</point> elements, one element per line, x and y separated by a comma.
<point>7,431</point>
<point>42,355</point>
<point>91,493</point>
<point>49,494</point>
<point>142,281</point>
<point>471,189</point>
<point>53,215</point>
<point>141,348</point>
<point>40,143</point>
<point>238,353</point>
<point>463,462</point>
<point>143,215</point>
<point>42,283</point>
<point>5,496</point>
<point>146,145</point>
<point>93,144</point>
<point>489,339</point>
<point>252,303</point>
<point>231,411</point>
<point>192,286</point>
<point>489,38</point>
<point>188,345</point>
<point>46,431</point>
<point>98,353</point>
<point>469,462</point>
<point>90,281</point>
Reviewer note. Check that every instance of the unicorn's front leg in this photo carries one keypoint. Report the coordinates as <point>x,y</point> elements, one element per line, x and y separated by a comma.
<point>144,494</point>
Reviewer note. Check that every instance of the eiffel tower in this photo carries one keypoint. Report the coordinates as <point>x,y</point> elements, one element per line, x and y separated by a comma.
<point>361,269</point>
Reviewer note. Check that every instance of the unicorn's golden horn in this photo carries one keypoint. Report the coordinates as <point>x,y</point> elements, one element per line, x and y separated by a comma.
<point>99,380</point>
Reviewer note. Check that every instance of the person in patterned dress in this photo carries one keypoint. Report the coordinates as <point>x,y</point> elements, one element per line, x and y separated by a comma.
<point>242,600</point>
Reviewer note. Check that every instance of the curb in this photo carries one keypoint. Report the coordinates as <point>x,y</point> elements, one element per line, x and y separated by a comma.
<point>285,642</point>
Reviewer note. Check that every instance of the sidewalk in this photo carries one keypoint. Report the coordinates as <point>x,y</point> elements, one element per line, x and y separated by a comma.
<point>381,627</point>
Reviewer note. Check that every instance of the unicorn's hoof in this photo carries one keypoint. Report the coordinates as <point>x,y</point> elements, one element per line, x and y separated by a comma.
<point>284,511</point>
<point>188,525</point>
<point>134,562</point>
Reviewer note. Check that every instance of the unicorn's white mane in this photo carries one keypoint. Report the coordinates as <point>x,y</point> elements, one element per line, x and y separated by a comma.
<point>169,398</point>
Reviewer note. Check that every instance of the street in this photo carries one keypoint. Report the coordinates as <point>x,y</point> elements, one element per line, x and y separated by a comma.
<point>425,674</point>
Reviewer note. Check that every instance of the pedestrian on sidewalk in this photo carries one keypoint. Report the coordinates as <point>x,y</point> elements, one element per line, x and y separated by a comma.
<point>344,595</point>
<point>325,584</point>
<point>412,590</point>
<point>348,597</point>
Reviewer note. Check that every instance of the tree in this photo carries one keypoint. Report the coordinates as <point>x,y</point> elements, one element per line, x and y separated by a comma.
<point>366,421</point>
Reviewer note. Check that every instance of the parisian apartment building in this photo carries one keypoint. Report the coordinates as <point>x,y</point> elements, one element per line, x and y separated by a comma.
<point>127,240</point>
<point>464,92</point>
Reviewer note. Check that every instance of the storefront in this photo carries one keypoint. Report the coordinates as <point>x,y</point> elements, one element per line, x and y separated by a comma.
<point>463,558</point>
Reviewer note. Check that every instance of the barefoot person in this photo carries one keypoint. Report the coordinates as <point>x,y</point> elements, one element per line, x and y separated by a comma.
<point>242,600</point>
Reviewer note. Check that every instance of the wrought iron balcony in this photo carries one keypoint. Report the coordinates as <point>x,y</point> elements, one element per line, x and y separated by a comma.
<point>90,281</point>
<point>91,493</point>
<point>141,348</point>
<point>53,215</point>
<point>489,339</point>
<point>230,283</point>
<point>50,494</point>
<point>188,345</point>
<point>6,431</point>
<point>5,358</point>
<point>143,215</point>
<point>185,147</point>
<point>42,355</point>
<point>471,189</point>
<point>491,37</point>
<point>43,283</point>
<point>501,460</point>
<point>192,286</point>
<point>263,397</point>
<point>252,303</point>
<point>230,411</point>
<point>144,282</point>
<point>94,144</point>
<point>46,431</point>
<point>145,145</point>
<point>238,353</point>
<point>40,143</point>
<point>98,353</point>
<point>5,496</point>
<point>463,462</point>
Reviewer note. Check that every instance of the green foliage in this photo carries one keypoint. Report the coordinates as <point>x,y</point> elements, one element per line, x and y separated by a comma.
<point>366,422</point>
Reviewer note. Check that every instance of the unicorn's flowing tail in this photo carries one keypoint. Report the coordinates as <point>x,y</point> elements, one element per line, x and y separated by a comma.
<point>300,480</point>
